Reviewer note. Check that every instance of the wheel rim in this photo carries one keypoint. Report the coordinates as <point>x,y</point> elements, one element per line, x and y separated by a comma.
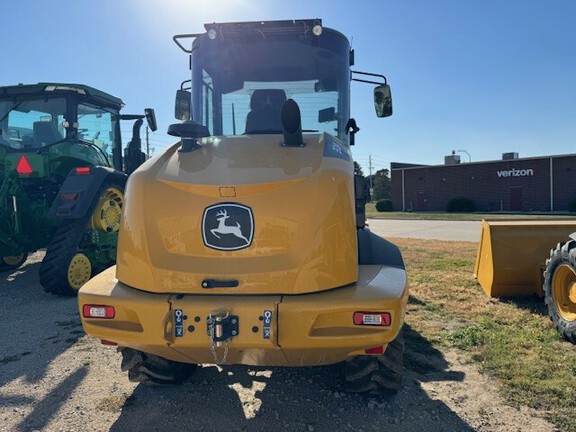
<point>564,292</point>
<point>108,212</point>
<point>12,260</point>
<point>79,271</point>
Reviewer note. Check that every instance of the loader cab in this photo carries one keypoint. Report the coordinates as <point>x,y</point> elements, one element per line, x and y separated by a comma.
<point>243,73</point>
<point>35,118</point>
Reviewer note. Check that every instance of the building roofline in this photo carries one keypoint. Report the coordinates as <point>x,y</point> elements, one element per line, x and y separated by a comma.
<point>409,166</point>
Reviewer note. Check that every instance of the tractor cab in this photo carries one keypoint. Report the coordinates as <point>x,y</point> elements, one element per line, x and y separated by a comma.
<point>43,117</point>
<point>244,73</point>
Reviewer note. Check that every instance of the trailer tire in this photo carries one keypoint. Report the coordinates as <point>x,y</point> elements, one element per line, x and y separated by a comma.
<point>152,370</point>
<point>377,374</point>
<point>560,289</point>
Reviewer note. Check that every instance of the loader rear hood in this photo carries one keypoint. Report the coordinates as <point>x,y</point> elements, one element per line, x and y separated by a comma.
<point>241,215</point>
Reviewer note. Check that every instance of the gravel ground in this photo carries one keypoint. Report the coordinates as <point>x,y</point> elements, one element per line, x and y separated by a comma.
<point>55,378</point>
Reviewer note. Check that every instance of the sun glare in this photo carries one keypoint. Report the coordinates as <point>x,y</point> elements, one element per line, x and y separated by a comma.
<point>190,15</point>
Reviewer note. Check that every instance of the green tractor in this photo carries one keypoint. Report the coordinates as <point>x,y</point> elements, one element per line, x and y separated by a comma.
<point>62,179</point>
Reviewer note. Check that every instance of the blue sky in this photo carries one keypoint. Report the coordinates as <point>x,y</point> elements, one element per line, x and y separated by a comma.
<point>486,77</point>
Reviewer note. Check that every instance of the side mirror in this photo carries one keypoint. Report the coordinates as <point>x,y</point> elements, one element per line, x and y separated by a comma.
<point>151,118</point>
<point>183,106</point>
<point>383,100</point>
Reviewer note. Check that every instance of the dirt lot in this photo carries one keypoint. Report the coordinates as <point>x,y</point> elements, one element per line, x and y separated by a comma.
<point>54,378</point>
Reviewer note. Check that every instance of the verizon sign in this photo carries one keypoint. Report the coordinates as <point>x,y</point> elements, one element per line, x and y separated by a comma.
<point>516,172</point>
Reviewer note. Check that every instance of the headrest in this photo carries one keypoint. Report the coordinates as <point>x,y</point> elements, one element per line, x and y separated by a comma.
<point>262,97</point>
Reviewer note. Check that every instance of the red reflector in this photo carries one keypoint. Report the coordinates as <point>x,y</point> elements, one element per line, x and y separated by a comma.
<point>373,318</point>
<point>69,197</point>
<point>83,170</point>
<point>98,311</point>
<point>375,350</point>
<point>107,342</point>
<point>23,167</point>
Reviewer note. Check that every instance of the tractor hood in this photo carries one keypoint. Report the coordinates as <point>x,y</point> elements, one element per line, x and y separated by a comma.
<point>241,215</point>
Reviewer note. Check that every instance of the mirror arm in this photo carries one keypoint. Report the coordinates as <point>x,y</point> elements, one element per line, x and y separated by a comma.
<point>368,74</point>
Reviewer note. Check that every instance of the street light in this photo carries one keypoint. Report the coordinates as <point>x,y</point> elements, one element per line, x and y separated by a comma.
<point>464,151</point>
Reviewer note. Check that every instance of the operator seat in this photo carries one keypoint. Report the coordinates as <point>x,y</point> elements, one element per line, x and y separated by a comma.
<point>266,111</point>
<point>45,133</point>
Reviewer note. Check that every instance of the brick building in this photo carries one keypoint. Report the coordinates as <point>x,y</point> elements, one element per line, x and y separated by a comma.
<point>539,184</point>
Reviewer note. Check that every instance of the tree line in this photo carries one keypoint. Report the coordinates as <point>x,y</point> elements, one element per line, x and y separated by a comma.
<point>380,182</point>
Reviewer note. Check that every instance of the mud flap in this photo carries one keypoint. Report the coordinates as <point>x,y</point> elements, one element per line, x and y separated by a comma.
<point>76,197</point>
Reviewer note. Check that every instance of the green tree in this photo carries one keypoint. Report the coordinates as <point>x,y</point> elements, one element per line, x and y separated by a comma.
<point>358,169</point>
<point>381,185</point>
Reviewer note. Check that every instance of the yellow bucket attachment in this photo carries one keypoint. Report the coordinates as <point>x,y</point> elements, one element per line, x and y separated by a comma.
<point>512,254</point>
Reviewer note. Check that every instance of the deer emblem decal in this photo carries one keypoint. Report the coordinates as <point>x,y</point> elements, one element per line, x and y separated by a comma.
<point>221,216</point>
<point>228,226</point>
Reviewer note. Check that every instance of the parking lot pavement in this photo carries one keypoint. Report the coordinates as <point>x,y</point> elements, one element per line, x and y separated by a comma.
<point>427,229</point>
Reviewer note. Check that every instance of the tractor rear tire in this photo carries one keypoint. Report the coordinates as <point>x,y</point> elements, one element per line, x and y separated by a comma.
<point>8,263</point>
<point>61,273</point>
<point>152,370</point>
<point>379,375</point>
<point>560,289</point>
<point>65,268</point>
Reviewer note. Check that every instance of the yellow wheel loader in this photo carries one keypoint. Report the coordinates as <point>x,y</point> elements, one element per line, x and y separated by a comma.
<point>245,242</point>
<point>514,259</point>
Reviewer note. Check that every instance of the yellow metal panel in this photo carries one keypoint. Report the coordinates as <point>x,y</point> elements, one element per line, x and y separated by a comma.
<point>306,330</point>
<point>512,253</point>
<point>141,320</point>
<point>303,208</point>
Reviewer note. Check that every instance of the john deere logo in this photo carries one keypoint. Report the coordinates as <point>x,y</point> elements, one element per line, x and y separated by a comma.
<point>227,226</point>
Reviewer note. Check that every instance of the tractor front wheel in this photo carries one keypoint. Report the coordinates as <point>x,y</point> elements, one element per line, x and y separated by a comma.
<point>560,289</point>
<point>12,262</point>
<point>380,374</point>
<point>64,269</point>
<point>149,369</point>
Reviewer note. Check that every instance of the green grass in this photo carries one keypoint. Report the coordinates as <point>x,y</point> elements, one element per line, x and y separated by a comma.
<point>372,213</point>
<point>510,340</point>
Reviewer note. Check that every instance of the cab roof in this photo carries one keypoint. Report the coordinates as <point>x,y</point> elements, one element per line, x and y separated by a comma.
<point>59,88</point>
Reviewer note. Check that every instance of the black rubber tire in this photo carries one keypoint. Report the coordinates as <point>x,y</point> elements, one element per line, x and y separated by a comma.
<point>562,257</point>
<point>65,244</point>
<point>63,247</point>
<point>8,267</point>
<point>149,369</point>
<point>379,375</point>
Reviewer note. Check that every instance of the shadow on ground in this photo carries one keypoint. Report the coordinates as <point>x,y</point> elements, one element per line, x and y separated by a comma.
<point>532,304</point>
<point>294,399</point>
<point>36,327</point>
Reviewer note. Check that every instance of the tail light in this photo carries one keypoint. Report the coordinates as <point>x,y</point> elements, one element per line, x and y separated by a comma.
<point>82,170</point>
<point>98,311</point>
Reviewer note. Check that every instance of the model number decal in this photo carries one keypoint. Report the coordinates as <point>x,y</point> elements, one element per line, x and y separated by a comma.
<point>178,323</point>
<point>267,324</point>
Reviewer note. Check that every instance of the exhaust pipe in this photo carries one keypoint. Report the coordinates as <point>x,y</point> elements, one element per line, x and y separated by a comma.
<point>292,124</point>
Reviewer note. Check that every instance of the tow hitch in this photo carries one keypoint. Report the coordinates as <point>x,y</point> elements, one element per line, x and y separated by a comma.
<point>221,328</point>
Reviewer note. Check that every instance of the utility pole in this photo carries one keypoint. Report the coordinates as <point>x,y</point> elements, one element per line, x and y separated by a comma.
<point>370,171</point>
